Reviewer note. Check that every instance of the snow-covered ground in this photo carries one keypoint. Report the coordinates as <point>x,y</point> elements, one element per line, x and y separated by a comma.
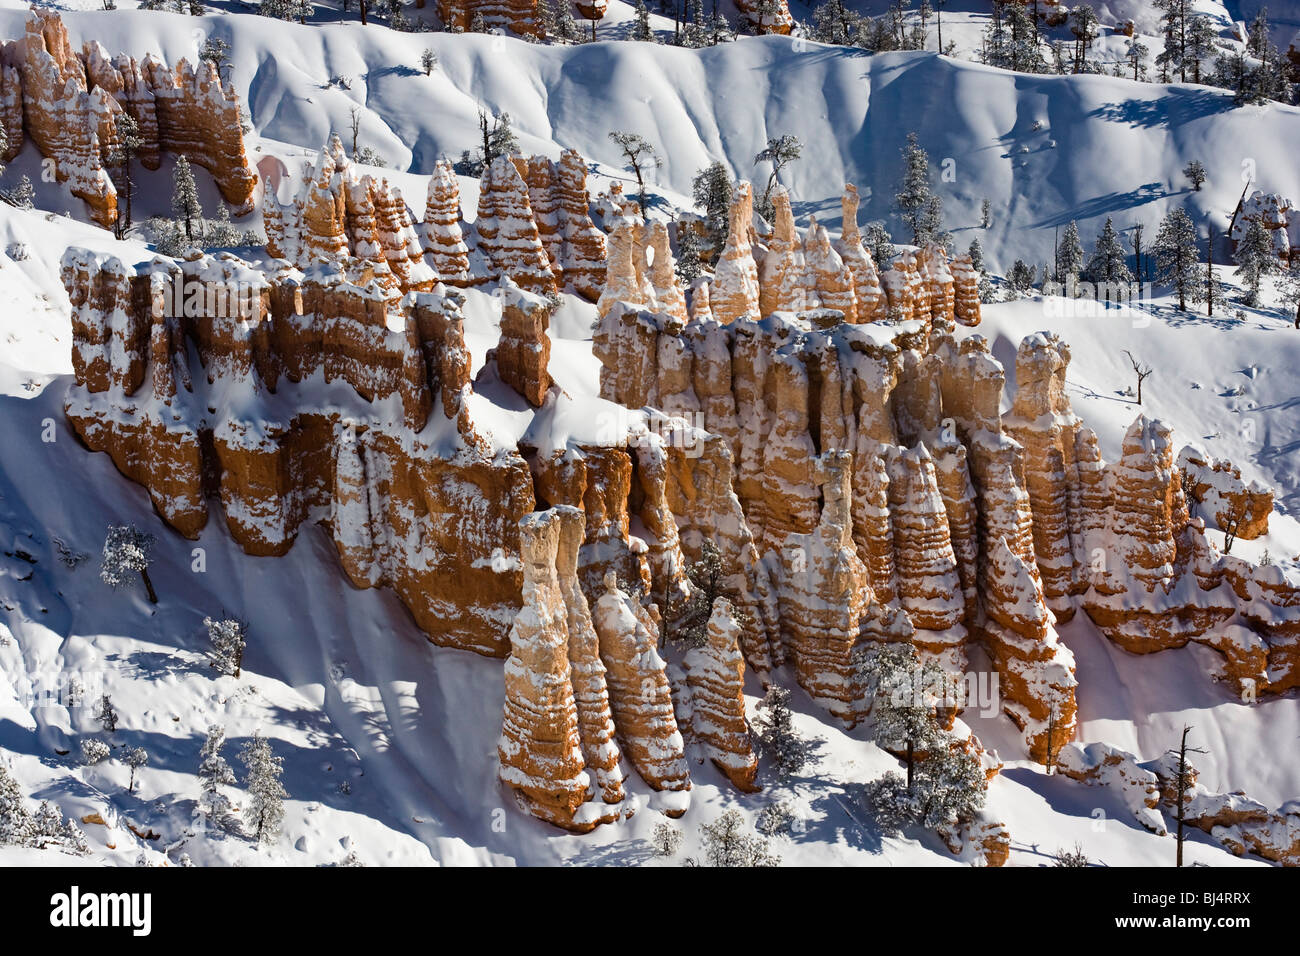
<point>390,743</point>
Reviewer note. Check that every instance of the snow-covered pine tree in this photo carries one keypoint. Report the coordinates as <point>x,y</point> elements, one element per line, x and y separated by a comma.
<point>129,142</point>
<point>266,793</point>
<point>16,824</point>
<point>127,549</point>
<point>1108,265</point>
<point>976,253</point>
<point>428,62</point>
<point>950,786</point>
<point>986,214</point>
<point>905,694</point>
<point>687,622</point>
<point>689,267</point>
<point>566,28</point>
<point>227,637</point>
<point>185,197</point>
<point>1255,259</point>
<point>776,737</point>
<point>833,22</point>
<point>136,758</point>
<point>879,243</point>
<point>1195,173</point>
<point>914,198</point>
<point>106,715</point>
<point>711,188</point>
<point>215,773</point>
<point>641,24</point>
<point>1069,258</point>
<point>1176,255</point>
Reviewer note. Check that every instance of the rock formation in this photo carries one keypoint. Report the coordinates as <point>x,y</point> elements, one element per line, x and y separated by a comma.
<point>716,676</point>
<point>68,104</point>
<point>767,18</point>
<point>734,291</point>
<point>1215,487</point>
<point>442,234</point>
<point>520,17</point>
<point>540,748</point>
<point>533,226</point>
<point>638,690</point>
<point>867,292</point>
<point>525,349</point>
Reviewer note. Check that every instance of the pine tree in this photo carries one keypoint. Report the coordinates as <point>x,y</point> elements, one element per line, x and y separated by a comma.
<point>185,197</point>
<point>780,152</point>
<point>17,827</point>
<point>428,62</point>
<point>1255,259</point>
<point>711,188</point>
<point>124,151</point>
<point>227,637</point>
<point>879,243</point>
<point>1069,258</point>
<point>1136,53</point>
<point>1109,263</point>
<point>976,253</point>
<point>566,28</point>
<point>135,759</point>
<point>1195,173</point>
<point>689,267</point>
<point>916,202</point>
<point>107,716</point>
<point>215,773</point>
<point>640,158</point>
<point>127,549</point>
<point>776,736</point>
<point>905,694</point>
<point>1176,257</point>
<point>986,214</point>
<point>266,794</point>
<point>641,26</point>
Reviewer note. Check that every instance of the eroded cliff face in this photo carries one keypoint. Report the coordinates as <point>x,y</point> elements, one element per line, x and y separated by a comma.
<point>68,103</point>
<point>857,478</point>
<point>960,524</point>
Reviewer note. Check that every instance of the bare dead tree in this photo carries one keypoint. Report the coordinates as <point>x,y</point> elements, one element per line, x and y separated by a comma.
<point>1142,371</point>
<point>1182,783</point>
<point>1233,524</point>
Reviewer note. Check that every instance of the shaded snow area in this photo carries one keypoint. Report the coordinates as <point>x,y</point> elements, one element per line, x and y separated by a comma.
<point>390,744</point>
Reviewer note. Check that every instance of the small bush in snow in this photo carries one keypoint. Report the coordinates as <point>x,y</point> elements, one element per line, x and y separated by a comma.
<point>774,819</point>
<point>93,751</point>
<point>1075,857</point>
<point>127,551</point>
<point>727,844</point>
<point>665,839</point>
